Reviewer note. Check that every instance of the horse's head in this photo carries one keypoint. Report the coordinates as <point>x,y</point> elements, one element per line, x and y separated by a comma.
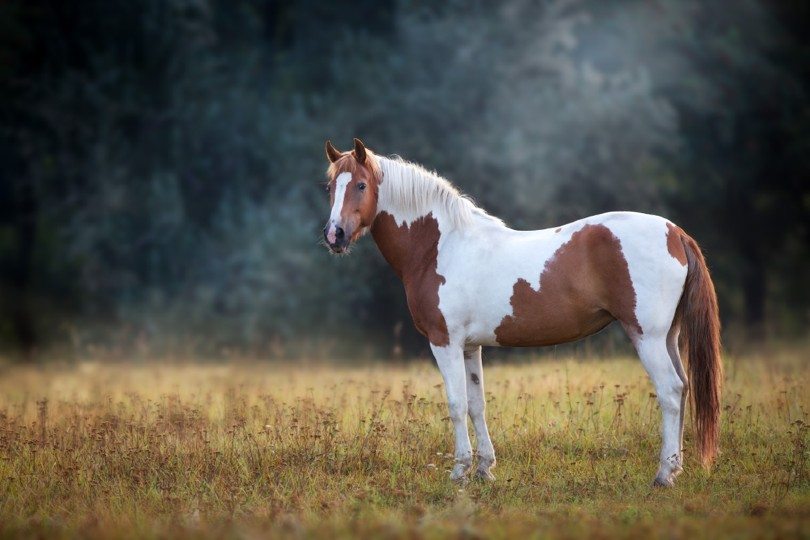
<point>354,179</point>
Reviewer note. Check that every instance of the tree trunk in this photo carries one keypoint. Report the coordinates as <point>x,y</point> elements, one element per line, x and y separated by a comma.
<point>23,266</point>
<point>754,284</point>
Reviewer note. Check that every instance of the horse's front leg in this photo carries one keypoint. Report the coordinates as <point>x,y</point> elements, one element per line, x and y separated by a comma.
<point>450,360</point>
<point>476,402</point>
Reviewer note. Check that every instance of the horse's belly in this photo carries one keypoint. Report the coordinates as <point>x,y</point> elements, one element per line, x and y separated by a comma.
<point>550,325</point>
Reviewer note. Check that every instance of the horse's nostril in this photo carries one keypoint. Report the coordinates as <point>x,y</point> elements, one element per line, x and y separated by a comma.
<point>339,234</point>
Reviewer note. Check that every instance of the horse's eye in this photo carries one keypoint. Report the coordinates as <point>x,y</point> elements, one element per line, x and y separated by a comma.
<point>361,186</point>
<point>327,188</point>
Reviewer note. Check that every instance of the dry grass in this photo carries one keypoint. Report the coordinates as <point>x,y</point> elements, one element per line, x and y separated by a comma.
<point>259,449</point>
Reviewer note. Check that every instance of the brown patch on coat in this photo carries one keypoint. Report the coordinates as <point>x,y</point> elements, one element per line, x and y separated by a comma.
<point>558,229</point>
<point>675,245</point>
<point>413,252</point>
<point>474,378</point>
<point>583,287</point>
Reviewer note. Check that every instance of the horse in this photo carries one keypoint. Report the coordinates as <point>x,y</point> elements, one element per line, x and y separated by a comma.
<point>470,281</point>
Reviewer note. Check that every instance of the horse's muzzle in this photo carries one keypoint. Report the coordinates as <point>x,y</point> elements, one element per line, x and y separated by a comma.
<point>335,238</point>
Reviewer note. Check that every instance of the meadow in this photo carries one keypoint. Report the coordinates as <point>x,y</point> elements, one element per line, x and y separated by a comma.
<point>263,449</point>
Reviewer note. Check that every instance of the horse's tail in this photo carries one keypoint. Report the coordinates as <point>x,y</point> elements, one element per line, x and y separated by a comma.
<point>700,324</point>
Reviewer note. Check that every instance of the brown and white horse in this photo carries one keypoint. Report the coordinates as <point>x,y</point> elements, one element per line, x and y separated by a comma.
<point>472,281</point>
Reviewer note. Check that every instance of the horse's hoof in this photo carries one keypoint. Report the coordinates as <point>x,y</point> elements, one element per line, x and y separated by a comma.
<point>663,482</point>
<point>462,480</point>
<point>459,473</point>
<point>484,474</point>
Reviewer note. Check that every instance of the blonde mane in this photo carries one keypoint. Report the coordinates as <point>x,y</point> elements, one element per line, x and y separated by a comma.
<point>415,190</point>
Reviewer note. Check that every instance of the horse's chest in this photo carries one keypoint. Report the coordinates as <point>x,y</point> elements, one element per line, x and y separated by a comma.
<point>422,293</point>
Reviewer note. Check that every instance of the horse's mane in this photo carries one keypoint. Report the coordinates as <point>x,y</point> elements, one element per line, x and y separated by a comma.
<point>416,190</point>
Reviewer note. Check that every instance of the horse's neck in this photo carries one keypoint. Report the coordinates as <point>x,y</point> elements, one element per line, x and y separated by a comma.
<point>407,227</point>
<point>408,247</point>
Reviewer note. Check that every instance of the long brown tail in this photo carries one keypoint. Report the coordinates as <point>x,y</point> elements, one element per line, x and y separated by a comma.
<point>700,331</point>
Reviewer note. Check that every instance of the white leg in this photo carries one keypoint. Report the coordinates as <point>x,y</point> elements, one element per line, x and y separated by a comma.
<point>476,404</point>
<point>677,363</point>
<point>450,360</point>
<point>670,389</point>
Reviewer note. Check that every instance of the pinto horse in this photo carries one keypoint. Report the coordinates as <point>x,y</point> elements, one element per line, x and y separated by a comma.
<point>471,281</point>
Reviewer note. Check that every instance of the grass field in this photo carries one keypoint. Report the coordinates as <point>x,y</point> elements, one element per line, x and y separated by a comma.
<point>261,449</point>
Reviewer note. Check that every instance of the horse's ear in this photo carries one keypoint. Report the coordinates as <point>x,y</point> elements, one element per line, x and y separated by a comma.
<point>332,153</point>
<point>359,151</point>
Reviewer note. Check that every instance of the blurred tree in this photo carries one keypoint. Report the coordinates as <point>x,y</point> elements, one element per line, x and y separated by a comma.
<point>161,160</point>
<point>742,178</point>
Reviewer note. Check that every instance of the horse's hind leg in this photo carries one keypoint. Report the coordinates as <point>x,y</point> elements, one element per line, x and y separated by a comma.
<point>476,405</point>
<point>670,388</point>
<point>675,357</point>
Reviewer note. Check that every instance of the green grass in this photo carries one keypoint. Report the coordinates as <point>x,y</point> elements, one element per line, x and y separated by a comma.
<point>262,449</point>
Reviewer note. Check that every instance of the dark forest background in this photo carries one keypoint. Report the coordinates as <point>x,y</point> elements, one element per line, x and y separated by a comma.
<point>162,160</point>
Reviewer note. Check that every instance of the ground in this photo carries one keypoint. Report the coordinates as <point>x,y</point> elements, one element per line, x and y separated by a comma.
<point>257,449</point>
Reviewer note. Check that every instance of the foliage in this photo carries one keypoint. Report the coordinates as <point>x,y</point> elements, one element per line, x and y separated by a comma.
<point>193,450</point>
<point>162,160</point>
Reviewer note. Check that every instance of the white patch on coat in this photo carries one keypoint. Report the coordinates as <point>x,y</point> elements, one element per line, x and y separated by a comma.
<point>341,182</point>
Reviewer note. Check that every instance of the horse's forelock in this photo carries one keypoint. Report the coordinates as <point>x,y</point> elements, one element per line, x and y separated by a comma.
<point>348,163</point>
